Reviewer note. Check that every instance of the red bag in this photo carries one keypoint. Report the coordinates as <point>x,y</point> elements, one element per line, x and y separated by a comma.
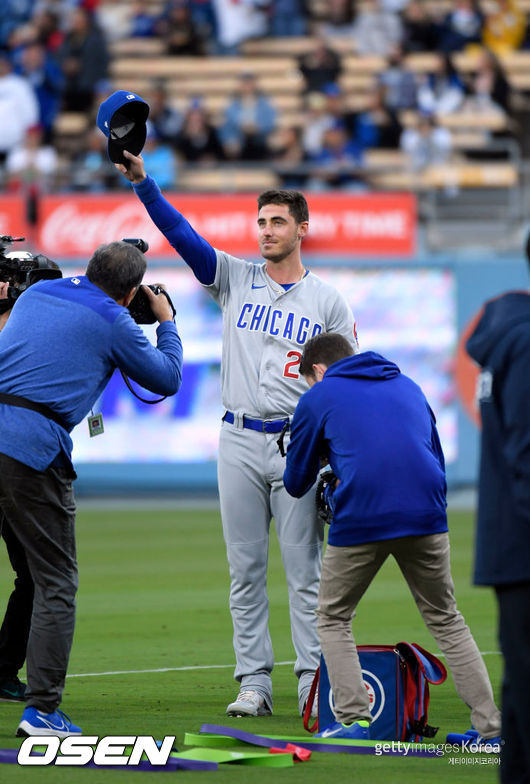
<point>397,679</point>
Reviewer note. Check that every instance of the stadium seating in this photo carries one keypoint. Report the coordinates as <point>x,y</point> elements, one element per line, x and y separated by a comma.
<point>138,61</point>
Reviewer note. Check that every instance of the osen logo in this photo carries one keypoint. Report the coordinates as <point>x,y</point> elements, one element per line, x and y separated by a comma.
<point>90,749</point>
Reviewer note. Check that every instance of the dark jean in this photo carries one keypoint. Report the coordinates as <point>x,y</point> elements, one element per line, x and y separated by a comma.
<point>16,624</point>
<point>514,637</point>
<point>39,506</point>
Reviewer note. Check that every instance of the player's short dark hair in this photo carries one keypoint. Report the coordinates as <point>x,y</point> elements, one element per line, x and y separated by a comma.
<point>116,268</point>
<point>295,200</point>
<point>325,349</point>
<point>527,248</point>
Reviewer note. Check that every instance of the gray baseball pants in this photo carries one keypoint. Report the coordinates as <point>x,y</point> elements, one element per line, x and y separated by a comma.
<point>250,473</point>
<point>40,508</point>
<point>424,562</point>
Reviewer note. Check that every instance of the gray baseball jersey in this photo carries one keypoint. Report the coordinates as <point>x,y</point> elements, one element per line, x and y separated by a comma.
<point>264,331</point>
<point>265,328</point>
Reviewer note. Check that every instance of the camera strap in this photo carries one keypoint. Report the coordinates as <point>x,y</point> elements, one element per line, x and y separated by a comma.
<point>143,399</point>
<point>40,408</point>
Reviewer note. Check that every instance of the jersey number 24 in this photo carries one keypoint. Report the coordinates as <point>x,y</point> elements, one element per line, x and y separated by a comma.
<point>289,370</point>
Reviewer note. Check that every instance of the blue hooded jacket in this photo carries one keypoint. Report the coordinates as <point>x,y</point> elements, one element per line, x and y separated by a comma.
<point>500,343</point>
<point>379,433</point>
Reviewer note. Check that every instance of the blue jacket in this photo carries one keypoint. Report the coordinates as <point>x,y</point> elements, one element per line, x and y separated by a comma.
<point>60,346</point>
<point>376,426</point>
<point>500,343</point>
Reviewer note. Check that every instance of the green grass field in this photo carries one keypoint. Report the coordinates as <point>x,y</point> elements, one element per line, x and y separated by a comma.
<point>154,594</point>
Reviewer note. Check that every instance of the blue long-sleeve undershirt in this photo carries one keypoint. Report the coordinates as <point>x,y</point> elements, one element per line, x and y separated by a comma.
<point>194,249</point>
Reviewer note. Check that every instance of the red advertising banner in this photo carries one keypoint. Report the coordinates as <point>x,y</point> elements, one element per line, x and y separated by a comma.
<point>13,216</point>
<point>355,225</point>
<point>362,225</point>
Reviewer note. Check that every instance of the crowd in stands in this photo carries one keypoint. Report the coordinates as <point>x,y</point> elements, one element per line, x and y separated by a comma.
<point>56,55</point>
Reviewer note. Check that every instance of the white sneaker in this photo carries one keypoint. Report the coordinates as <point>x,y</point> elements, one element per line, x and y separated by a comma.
<point>305,685</point>
<point>314,708</point>
<point>248,703</point>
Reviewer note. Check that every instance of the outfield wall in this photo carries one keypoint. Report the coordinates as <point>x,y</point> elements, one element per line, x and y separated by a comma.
<point>413,311</point>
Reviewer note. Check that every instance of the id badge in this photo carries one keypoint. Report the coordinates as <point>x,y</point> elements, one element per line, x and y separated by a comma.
<point>95,425</point>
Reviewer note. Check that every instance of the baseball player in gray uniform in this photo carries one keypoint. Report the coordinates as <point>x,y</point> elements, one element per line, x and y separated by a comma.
<point>269,311</point>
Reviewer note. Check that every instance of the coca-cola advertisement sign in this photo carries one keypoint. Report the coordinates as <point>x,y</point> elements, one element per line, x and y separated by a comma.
<point>75,226</point>
<point>13,216</point>
<point>365,225</point>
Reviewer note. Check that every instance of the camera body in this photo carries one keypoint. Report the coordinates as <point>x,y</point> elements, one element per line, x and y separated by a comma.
<point>140,307</point>
<point>22,269</point>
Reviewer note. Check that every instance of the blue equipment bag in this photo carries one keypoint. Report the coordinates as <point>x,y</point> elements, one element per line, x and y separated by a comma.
<point>397,679</point>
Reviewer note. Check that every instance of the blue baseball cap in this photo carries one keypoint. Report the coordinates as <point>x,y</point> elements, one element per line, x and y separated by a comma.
<point>122,117</point>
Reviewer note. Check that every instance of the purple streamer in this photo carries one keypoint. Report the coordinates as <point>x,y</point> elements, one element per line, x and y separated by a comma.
<point>312,745</point>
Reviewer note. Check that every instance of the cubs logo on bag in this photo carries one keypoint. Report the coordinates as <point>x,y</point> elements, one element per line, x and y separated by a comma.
<point>397,679</point>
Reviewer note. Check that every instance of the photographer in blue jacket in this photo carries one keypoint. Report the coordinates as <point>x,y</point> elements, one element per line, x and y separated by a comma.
<point>61,344</point>
<point>375,428</point>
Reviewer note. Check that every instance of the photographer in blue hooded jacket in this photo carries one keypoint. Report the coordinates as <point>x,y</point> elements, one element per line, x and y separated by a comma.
<point>500,344</point>
<point>378,432</point>
<point>61,344</point>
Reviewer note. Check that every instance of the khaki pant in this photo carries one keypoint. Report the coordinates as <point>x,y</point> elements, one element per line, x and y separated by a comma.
<point>424,562</point>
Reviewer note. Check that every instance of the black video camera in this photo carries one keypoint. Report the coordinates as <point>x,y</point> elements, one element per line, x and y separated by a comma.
<point>140,307</point>
<point>22,269</point>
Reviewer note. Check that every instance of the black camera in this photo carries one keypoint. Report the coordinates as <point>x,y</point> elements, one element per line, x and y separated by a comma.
<point>22,269</point>
<point>140,307</point>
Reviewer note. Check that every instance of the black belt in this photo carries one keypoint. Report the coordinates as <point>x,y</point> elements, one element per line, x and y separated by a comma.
<point>40,408</point>
<point>260,425</point>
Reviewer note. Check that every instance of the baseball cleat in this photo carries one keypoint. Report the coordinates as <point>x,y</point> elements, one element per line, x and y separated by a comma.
<point>359,730</point>
<point>12,690</point>
<point>34,722</point>
<point>248,703</point>
<point>314,708</point>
